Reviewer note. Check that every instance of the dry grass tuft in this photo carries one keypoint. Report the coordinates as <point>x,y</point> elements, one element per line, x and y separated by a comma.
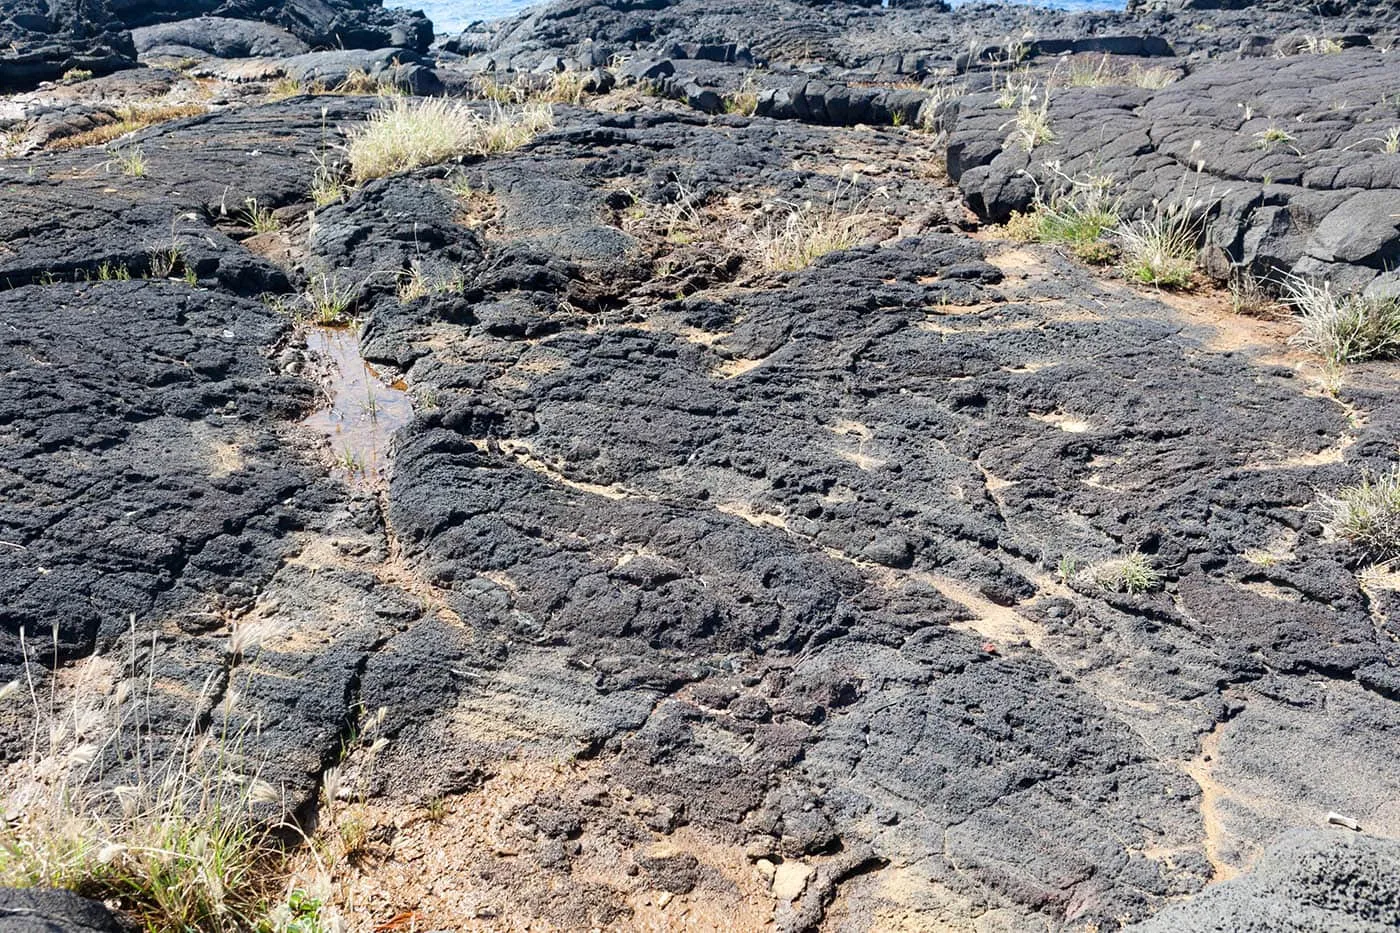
<point>1086,71</point>
<point>1132,575</point>
<point>420,282</point>
<point>805,233</point>
<point>1032,121</point>
<point>1368,514</point>
<point>129,119</point>
<point>1160,249</point>
<point>410,134</point>
<point>744,99</point>
<point>1250,295</point>
<point>179,848</point>
<point>1344,329</point>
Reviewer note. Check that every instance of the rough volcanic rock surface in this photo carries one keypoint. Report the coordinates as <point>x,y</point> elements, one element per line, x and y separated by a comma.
<point>1306,881</point>
<point>703,584</point>
<point>351,24</point>
<point>44,911</point>
<point>1285,162</point>
<point>40,41</point>
<point>218,36</point>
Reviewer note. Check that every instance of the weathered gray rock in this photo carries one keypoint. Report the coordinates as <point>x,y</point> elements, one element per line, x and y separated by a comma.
<point>218,36</point>
<point>1282,176</point>
<point>1319,880</point>
<point>390,66</point>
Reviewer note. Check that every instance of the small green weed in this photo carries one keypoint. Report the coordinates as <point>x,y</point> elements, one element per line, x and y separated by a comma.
<point>1133,574</point>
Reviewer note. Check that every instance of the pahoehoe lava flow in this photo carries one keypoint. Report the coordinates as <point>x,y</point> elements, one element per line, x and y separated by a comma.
<point>795,465</point>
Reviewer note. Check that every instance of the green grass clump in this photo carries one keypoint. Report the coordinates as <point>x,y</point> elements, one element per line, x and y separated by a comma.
<point>1368,514</point>
<point>327,300</point>
<point>1160,249</point>
<point>1077,217</point>
<point>1132,575</point>
<point>260,219</point>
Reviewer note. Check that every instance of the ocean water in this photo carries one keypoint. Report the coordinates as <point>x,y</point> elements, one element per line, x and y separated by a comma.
<point>450,16</point>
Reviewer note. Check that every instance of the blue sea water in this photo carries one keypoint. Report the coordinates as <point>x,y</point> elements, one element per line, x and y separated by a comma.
<point>449,16</point>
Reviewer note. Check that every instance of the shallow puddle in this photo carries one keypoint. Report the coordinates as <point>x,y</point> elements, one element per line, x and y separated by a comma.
<point>365,408</point>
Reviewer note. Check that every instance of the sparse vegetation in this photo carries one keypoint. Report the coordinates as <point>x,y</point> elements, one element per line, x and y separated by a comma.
<point>1032,121</point>
<point>164,261</point>
<point>419,282</point>
<point>743,100</point>
<point>435,810</point>
<point>565,87</point>
<point>1249,295</point>
<point>1086,71</point>
<point>260,219</point>
<point>1014,88</point>
<point>1066,568</point>
<point>286,87</point>
<point>561,87</point>
<point>359,81</point>
<point>1368,514</point>
<point>1076,216</point>
<point>410,134</point>
<point>129,119</point>
<point>328,301</point>
<point>1389,143</point>
<point>1154,78</point>
<point>130,162</point>
<point>1344,329</point>
<point>77,74</point>
<point>1271,135</point>
<point>178,848</point>
<point>327,185</point>
<point>1133,574</point>
<point>1160,248</point>
<point>806,232</point>
<point>113,272</point>
<point>1321,45</point>
<point>328,180</point>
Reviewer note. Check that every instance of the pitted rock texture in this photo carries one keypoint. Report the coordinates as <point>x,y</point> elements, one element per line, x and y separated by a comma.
<point>217,36</point>
<point>43,41</point>
<point>350,24</point>
<point>1307,881</point>
<point>45,911</point>
<point>700,587</point>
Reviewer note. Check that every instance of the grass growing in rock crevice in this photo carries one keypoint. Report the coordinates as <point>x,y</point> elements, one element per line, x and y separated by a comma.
<point>178,846</point>
<point>1344,328</point>
<point>1368,514</point>
<point>410,134</point>
<point>1160,249</point>
<point>1077,217</point>
<point>129,119</point>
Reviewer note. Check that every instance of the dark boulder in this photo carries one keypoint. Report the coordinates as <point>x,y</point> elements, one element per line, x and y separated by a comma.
<point>39,910</point>
<point>217,36</point>
<point>39,41</point>
<point>350,24</point>
<point>405,70</point>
